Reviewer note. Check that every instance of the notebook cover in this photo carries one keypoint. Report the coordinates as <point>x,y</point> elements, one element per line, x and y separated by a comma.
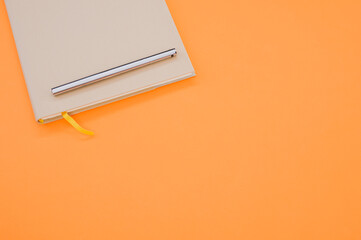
<point>62,41</point>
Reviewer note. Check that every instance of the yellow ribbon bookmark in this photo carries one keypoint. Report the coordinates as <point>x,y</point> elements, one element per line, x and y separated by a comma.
<point>75,124</point>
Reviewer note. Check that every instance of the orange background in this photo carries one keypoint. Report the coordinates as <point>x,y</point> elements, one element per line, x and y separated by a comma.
<point>265,143</point>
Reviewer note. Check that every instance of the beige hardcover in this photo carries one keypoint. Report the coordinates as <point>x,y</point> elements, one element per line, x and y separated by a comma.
<point>59,41</point>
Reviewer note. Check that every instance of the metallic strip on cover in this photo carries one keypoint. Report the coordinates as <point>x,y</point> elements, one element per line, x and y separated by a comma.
<point>113,72</point>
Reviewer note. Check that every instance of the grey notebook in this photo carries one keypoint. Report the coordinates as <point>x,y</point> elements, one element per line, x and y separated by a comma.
<point>59,42</point>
